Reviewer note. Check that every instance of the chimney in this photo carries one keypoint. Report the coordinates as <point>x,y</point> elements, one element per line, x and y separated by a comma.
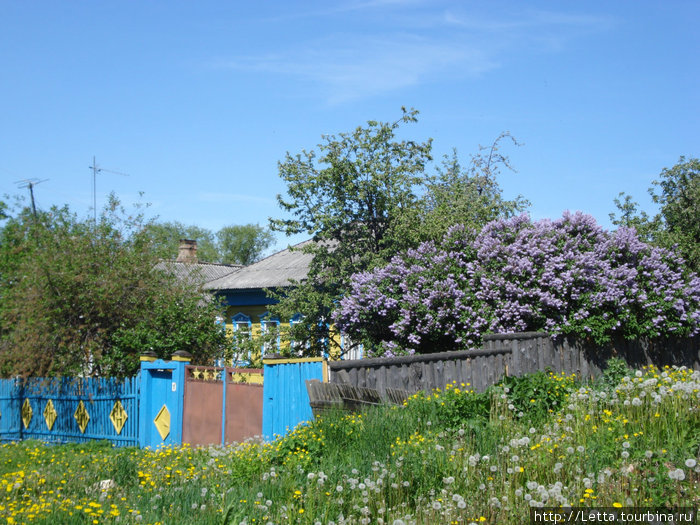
<point>188,251</point>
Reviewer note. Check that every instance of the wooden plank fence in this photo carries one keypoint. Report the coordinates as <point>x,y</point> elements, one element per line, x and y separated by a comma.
<point>509,354</point>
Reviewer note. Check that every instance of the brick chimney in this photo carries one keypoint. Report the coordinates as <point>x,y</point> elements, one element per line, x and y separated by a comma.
<point>188,251</point>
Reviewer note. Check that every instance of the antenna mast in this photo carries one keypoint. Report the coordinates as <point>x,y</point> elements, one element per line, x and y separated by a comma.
<point>95,170</point>
<point>30,183</point>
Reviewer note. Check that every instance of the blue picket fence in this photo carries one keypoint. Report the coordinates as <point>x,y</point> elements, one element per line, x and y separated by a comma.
<point>145,410</point>
<point>70,409</point>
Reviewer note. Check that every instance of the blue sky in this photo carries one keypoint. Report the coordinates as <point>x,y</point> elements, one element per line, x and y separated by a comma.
<point>198,101</point>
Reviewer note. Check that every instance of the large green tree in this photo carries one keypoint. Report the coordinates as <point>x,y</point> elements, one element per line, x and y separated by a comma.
<point>677,191</point>
<point>83,298</point>
<point>349,195</point>
<point>468,195</point>
<point>164,240</point>
<point>365,197</point>
<point>677,225</point>
<point>243,243</point>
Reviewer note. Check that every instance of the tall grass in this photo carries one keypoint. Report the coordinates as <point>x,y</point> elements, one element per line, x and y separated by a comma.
<point>449,456</point>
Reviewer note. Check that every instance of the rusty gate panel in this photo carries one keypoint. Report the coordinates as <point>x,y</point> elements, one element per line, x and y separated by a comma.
<point>201,421</point>
<point>203,411</point>
<point>244,406</point>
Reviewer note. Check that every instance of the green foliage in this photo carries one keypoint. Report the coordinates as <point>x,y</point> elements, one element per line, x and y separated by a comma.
<point>349,195</point>
<point>677,226</point>
<point>364,197</point>
<point>458,406</point>
<point>124,470</point>
<point>615,370</point>
<point>164,240</point>
<point>243,244</point>
<point>233,244</point>
<point>538,395</point>
<point>79,298</point>
<point>679,198</point>
<point>472,196</point>
<point>632,217</point>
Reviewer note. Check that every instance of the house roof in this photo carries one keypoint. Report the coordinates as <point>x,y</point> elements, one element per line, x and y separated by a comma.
<point>199,273</point>
<point>277,270</point>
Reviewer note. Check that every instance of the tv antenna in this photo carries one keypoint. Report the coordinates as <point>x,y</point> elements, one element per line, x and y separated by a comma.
<point>95,170</point>
<point>30,183</point>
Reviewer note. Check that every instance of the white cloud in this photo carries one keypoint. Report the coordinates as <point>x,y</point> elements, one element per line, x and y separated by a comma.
<point>349,67</point>
<point>415,47</point>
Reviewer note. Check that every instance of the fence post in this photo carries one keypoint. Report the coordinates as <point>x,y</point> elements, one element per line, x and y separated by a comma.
<point>223,405</point>
<point>181,359</point>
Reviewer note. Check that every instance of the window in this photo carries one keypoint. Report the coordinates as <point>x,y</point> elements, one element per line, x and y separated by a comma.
<point>241,324</point>
<point>241,329</point>
<point>294,346</point>
<point>270,329</point>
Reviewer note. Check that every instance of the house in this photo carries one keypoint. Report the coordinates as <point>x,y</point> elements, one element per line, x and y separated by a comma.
<point>247,303</point>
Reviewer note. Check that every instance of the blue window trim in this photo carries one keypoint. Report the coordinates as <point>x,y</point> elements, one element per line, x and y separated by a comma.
<point>239,319</point>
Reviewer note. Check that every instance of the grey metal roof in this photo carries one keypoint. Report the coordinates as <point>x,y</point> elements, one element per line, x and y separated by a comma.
<point>274,271</point>
<point>199,273</point>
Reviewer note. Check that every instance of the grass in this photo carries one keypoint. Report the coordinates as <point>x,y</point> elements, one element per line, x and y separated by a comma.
<point>450,456</point>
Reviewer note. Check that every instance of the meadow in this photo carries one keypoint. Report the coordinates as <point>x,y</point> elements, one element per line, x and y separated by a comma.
<point>451,456</point>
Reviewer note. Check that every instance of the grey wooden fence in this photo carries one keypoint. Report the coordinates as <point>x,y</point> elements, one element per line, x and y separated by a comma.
<point>509,354</point>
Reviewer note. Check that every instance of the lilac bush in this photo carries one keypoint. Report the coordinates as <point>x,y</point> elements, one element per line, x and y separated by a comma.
<point>567,276</point>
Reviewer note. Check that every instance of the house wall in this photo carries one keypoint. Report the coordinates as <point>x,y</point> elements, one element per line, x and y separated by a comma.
<point>255,304</point>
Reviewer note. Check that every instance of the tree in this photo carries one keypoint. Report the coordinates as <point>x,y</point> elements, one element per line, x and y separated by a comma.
<point>84,298</point>
<point>632,217</point>
<point>243,244</point>
<point>471,197</point>
<point>234,244</point>
<point>349,196</point>
<point>164,239</point>
<point>679,198</point>
<point>677,225</point>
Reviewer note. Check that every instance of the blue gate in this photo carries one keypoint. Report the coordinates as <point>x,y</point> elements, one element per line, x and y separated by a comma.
<point>162,388</point>
<point>285,400</point>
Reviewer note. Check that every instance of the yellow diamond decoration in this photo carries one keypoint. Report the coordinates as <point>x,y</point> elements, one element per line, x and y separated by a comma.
<point>162,422</point>
<point>82,417</point>
<point>118,416</point>
<point>50,414</point>
<point>27,413</point>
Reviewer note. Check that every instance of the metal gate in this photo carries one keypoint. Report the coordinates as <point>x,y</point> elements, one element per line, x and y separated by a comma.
<point>222,405</point>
